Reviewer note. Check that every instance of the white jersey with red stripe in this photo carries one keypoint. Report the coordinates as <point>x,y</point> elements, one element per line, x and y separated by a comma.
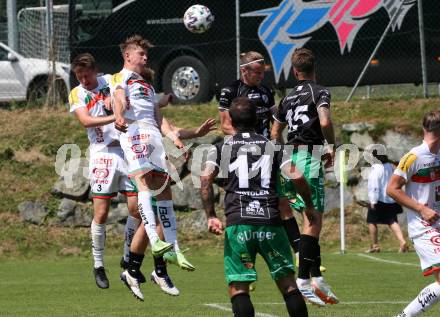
<point>421,170</point>
<point>140,96</point>
<point>99,137</point>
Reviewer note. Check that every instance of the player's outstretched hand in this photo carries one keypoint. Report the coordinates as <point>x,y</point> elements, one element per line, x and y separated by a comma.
<point>121,124</point>
<point>429,215</point>
<point>206,127</point>
<point>215,226</point>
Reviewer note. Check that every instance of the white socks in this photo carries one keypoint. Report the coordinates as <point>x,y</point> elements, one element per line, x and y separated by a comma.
<point>426,298</point>
<point>167,217</point>
<point>130,229</point>
<point>98,243</point>
<point>147,215</point>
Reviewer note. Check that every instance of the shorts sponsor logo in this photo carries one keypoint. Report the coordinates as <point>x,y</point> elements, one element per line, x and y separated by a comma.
<point>248,235</point>
<point>138,148</point>
<point>103,161</point>
<point>142,151</point>
<point>138,137</point>
<point>100,172</point>
<point>435,240</point>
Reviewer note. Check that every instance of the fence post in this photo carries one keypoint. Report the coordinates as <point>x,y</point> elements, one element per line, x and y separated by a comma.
<point>422,49</point>
<point>237,36</point>
<point>11,7</point>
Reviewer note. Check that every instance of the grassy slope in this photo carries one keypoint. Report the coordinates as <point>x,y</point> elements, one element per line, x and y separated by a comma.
<point>30,139</point>
<point>65,287</point>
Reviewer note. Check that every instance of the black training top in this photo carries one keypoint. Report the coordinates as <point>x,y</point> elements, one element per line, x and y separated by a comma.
<point>299,109</point>
<point>249,162</point>
<point>261,96</point>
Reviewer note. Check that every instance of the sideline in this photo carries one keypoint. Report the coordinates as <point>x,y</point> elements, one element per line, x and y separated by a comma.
<point>222,307</point>
<point>386,261</point>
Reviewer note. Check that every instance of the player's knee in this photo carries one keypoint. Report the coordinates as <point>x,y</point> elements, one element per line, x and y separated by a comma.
<point>242,305</point>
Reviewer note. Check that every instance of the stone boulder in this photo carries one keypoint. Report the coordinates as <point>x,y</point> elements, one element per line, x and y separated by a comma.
<point>361,140</point>
<point>118,214</point>
<point>75,186</point>
<point>33,212</point>
<point>194,221</point>
<point>398,144</point>
<point>332,199</point>
<point>357,127</point>
<point>66,209</point>
<point>189,195</point>
<point>81,216</point>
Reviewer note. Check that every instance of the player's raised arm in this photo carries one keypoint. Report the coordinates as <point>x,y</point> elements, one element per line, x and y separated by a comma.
<point>225,122</point>
<point>202,130</point>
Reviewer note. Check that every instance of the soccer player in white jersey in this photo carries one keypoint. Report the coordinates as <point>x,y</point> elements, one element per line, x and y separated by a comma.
<point>107,168</point>
<point>419,172</point>
<point>136,112</point>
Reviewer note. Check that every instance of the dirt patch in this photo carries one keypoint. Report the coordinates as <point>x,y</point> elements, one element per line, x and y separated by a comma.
<point>31,156</point>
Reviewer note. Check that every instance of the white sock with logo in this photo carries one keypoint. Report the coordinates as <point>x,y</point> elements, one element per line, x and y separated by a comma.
<point>147,215</point>
<point>424,301</point>
<point>130,229</point>
<point>167,217</point>
<point>97,233</point>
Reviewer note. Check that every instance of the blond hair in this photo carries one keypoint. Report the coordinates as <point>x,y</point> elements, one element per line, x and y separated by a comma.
<point>250,58</point>
<point>135,41</point>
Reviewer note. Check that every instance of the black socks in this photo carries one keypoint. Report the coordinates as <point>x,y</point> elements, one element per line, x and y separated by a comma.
<point>242,305</point>
<point>296,306</point>
<point>308,253</point>
<point>292,230</point>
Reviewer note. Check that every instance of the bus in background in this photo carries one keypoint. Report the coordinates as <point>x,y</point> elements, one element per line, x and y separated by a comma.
<point>193,67</point>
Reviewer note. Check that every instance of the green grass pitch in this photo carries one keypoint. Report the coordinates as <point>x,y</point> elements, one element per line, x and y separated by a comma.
<point>378,286</point>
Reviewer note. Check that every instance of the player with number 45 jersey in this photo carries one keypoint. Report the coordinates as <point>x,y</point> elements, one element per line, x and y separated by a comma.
<point>306,113</point>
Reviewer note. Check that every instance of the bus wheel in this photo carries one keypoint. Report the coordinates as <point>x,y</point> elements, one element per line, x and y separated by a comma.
<point>187,79</point>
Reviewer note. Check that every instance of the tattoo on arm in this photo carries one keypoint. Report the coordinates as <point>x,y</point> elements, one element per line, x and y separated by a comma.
<point>326,124</point>
<point>207,193</point>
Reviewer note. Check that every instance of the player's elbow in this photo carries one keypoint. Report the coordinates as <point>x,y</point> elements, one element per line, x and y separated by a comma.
<point>391,190</point>
<point>87,123</point>
<point>326,123</point>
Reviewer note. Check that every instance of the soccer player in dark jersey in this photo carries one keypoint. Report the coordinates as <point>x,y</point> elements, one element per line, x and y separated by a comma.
<point>249,162</point>
<point>306,112</point>
<point>250,86</point>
